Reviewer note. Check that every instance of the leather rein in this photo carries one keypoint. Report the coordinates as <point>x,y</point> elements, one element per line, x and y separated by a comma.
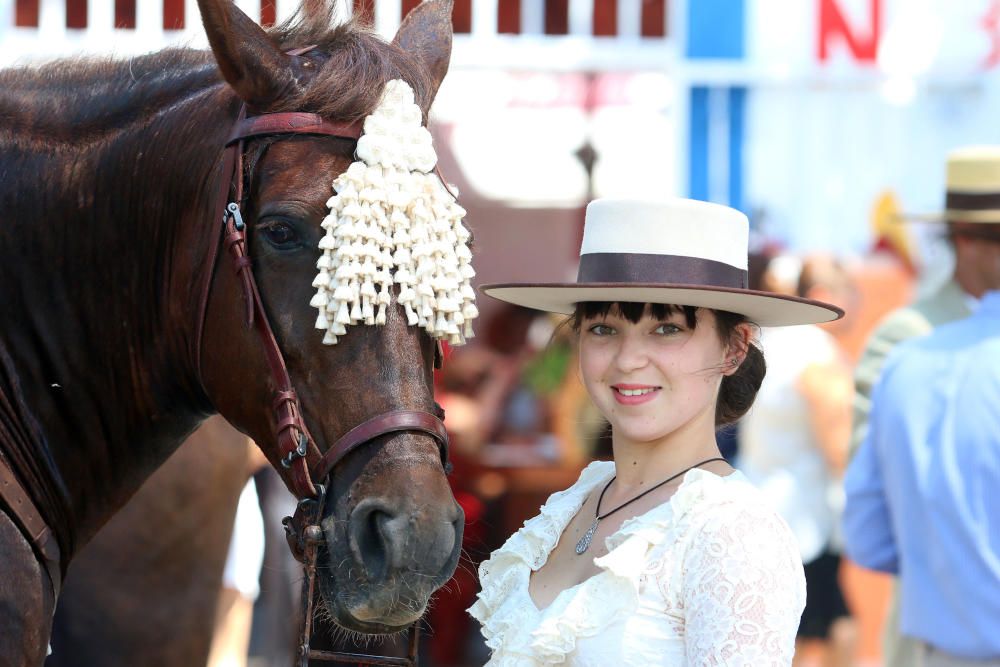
<point>308,467</point>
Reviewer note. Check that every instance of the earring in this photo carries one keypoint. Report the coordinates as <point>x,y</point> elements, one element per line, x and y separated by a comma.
<point>733,362</point>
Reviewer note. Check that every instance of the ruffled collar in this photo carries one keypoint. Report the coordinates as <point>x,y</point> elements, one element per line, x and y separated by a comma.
<point>548,636</point>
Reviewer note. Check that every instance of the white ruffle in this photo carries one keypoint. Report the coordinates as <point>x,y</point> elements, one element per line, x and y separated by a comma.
<point>518,634</point>
<point>509,567</point>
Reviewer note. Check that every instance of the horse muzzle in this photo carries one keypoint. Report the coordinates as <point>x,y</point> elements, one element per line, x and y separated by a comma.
<point>387,559</point>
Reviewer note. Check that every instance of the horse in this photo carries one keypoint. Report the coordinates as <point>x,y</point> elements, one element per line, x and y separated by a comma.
<point>124,327</point>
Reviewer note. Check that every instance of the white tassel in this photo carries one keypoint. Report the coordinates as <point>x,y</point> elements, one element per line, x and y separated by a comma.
<point>343,292</point>
<point>343,315</point>
<point>319,299</point>
<point>392,222</point>
<point>411,317</point>
<point>322,279</point>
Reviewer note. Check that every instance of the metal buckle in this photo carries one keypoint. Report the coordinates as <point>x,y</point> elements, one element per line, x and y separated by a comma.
<point>298,453</point>
<point>233,211</point>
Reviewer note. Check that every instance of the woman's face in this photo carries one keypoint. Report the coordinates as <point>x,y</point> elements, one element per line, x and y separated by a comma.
<point>655,377</point>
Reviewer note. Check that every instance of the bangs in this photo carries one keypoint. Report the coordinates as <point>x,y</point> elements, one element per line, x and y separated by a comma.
<point>631,311</point>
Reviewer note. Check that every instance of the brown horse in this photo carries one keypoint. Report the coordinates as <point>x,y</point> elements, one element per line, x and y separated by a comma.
<point>108,175</point>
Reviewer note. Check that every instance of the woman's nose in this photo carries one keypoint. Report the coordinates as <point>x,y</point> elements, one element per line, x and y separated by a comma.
<point>631,355</point>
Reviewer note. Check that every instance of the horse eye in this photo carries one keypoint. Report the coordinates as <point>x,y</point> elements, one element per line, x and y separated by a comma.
<point>280,234</point>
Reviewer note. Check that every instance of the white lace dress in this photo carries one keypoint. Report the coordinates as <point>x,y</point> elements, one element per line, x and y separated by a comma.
<point>712,577</point>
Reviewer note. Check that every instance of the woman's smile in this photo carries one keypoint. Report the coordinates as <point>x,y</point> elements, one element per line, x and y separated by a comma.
<point>634,394</point>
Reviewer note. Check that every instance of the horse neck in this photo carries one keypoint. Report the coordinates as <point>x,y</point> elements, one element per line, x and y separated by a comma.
<point>103,235</point>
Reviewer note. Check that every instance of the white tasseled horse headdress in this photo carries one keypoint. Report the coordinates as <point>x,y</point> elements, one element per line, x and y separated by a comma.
<point>392,222</point>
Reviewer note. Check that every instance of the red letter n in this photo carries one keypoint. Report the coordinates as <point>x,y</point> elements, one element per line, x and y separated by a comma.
<point>832,24</point>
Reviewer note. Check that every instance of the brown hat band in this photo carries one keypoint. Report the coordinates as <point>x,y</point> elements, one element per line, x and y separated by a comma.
<point>615,267</point>
<point>964,201</point>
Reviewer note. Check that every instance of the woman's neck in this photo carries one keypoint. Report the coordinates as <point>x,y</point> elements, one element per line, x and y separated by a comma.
<point>640,465</point>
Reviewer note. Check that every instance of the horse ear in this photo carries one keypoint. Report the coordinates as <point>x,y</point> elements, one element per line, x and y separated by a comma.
<point>426,33</point>
<point>256,69</point>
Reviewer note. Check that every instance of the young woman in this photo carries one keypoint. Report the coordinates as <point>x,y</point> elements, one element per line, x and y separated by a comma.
<point>665,555</point>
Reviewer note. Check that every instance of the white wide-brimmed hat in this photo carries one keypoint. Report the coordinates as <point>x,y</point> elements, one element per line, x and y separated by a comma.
<point>972,187</point>
<point>681,251</point>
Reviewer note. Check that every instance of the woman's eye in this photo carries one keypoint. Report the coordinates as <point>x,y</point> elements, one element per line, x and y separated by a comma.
<point>601,330</point>
<point>667,329</point>
<point>280,234</point>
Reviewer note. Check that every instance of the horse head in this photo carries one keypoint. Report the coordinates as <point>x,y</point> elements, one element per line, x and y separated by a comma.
<point>391,529</point>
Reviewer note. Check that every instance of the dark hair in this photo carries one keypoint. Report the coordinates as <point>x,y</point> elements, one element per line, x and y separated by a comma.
<point>738,391</point>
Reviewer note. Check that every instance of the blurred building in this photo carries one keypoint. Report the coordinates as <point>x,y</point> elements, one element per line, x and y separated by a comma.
<point>800,112</point>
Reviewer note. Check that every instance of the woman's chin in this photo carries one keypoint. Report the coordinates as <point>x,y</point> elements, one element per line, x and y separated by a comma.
<point>641,433</point>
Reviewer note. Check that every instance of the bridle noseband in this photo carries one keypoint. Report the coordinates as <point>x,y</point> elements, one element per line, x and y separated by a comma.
<point>308,467</point>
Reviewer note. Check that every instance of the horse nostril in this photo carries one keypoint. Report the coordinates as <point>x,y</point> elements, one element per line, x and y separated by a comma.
<point>371,540</point>
<point>386,541</point>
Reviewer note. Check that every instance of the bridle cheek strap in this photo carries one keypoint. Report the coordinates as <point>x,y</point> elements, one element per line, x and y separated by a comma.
<point>295,445</point>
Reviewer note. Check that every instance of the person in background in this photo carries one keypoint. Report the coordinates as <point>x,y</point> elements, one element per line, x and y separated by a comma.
<point>241,577</point>
<point>793,446</point>
<point>665,555</point>
<point>922,500</point>
<point>758,262</point>
<point>971,218</point>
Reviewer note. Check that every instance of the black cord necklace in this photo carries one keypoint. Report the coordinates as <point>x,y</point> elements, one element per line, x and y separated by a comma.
<point>584,542</point>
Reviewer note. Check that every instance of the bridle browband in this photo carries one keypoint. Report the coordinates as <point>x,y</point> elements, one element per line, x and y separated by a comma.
<point>308,467</point>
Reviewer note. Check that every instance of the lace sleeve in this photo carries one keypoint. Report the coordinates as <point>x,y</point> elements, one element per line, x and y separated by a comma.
<point>744,590</point>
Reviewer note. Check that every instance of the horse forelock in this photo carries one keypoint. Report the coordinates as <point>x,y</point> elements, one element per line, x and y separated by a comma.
<point>356,65</point>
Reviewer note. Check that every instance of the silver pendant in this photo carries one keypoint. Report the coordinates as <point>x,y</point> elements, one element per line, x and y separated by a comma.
<point>584,542</point>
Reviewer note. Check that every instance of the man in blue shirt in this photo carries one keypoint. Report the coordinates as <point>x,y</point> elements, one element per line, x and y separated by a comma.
<point>923,490</point>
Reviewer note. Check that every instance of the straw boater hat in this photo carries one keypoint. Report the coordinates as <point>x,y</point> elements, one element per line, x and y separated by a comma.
<point>680,252</point>
<point>972,187</point>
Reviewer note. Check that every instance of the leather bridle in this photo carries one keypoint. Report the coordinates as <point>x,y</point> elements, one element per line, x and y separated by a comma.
<point>299,453</point>
<point>308,467</point>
